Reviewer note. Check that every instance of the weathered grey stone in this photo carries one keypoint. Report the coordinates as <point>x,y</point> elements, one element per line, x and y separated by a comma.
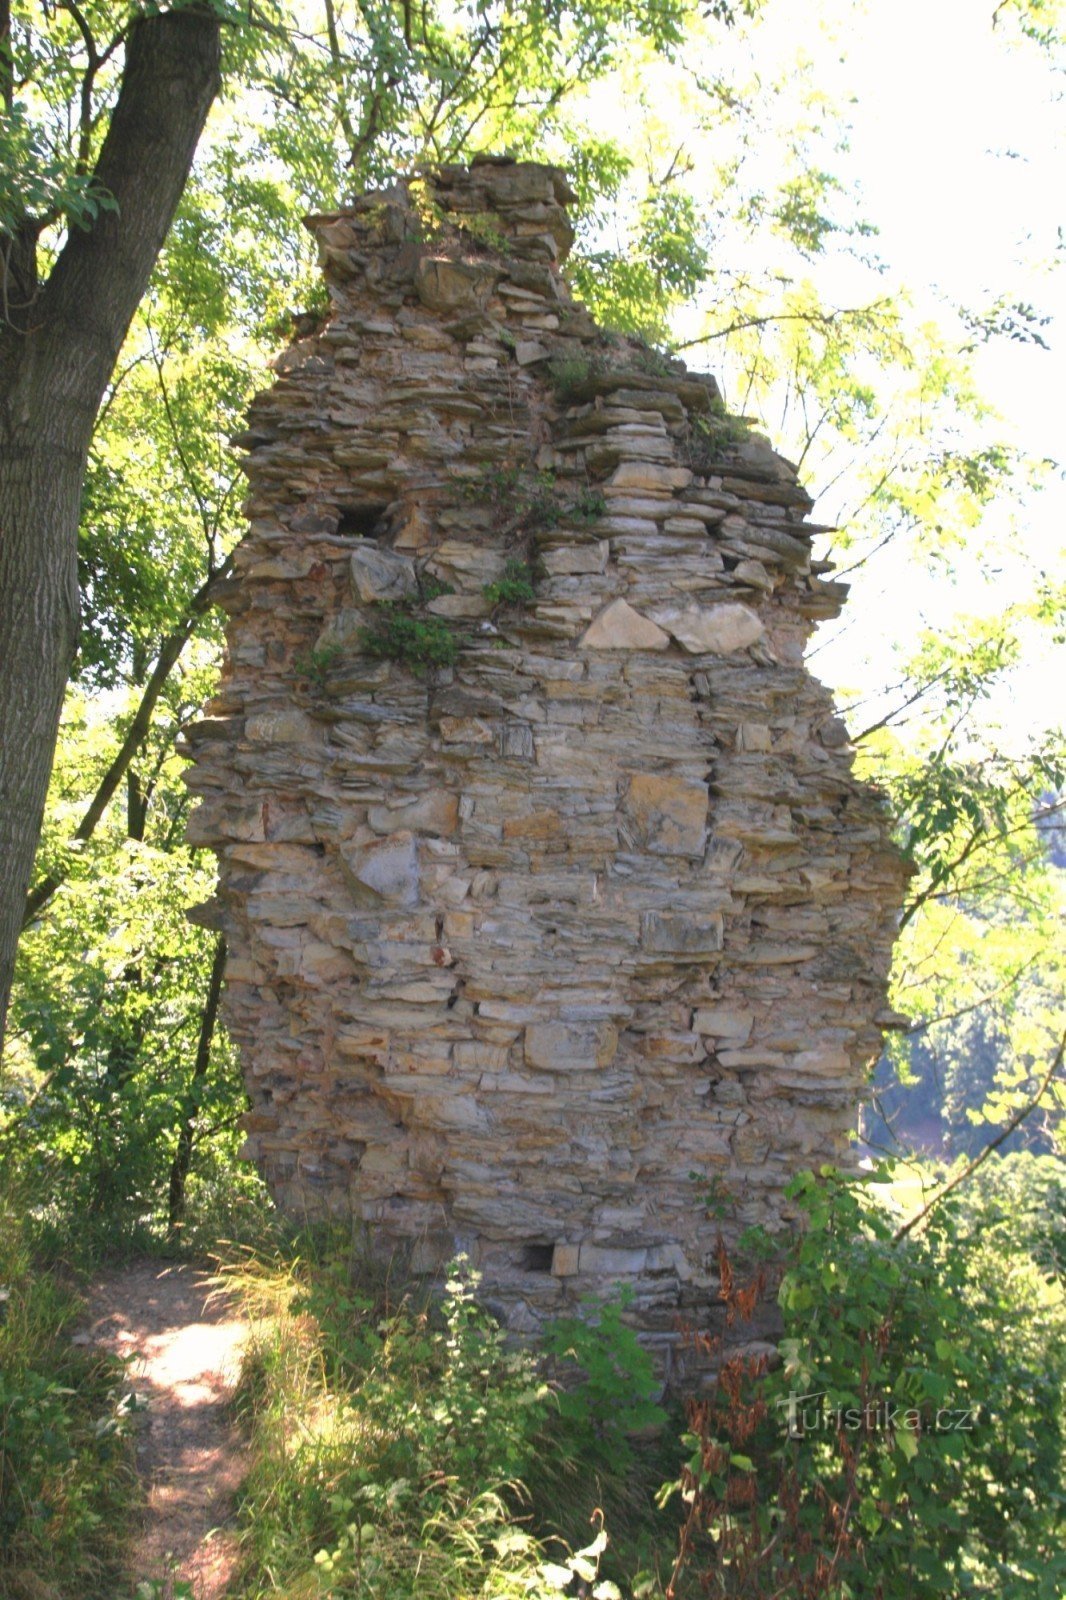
<point>673,933</point>
<point>723,1023</point>
<point>669,814</point>
<point>287,726</point>
<point>754,736</point>
<point>435,813</point>
<point>385,871</point>
<point>591,557</point>
<point>646,475</point>
<point>379,574</point>
<point>528,351</point>
<point>608,1263</point>
<point>452,286</point>
<point>570,1047</point>
<point>719,629</point>
<point>342,633</point>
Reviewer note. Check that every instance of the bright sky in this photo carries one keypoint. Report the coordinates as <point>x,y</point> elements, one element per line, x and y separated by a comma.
<point>957,141</point>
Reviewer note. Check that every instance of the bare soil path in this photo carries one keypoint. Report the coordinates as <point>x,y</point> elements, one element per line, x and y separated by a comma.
<point>182,1346</point>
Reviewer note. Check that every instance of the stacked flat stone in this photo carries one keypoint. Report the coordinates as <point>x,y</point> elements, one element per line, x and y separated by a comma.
<point>520,944</point>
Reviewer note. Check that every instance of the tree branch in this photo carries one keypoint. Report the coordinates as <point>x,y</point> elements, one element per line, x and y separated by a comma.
<point>1001,1137</point>
<point>136,734</point>
<point>819,319</point>
<point>975,1005</point>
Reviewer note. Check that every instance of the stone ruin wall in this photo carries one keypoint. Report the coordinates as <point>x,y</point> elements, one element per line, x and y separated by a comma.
<point>519,944</point>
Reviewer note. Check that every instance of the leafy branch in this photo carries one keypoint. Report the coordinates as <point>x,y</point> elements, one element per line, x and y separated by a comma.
<point>1001,1138</point>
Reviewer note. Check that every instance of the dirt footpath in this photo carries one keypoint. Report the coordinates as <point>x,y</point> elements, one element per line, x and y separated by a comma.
<point>183,1354</point>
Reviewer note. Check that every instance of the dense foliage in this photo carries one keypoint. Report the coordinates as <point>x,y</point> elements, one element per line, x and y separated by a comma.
<point>912,1442</point>
<point>414,1426</point>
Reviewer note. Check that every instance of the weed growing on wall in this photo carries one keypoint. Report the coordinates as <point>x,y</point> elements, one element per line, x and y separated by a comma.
<point>711,437</point>
<point>400,633</point>
<point>589,507</point>
<point>391,1433</point>
<point>514,587</point>
<point>317,664</point>
<point>608,1389</point>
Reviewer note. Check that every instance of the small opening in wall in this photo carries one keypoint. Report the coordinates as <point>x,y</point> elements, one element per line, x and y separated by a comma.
<point>536,1257</point>
<point>362,522</point>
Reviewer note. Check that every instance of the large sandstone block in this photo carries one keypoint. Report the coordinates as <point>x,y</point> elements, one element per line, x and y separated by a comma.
<point>619,627</point>
<point>669,815</point>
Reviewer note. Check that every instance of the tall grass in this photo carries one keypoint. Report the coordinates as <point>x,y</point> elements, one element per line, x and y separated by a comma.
<point>67,1487</point>
<point>391,1439</point>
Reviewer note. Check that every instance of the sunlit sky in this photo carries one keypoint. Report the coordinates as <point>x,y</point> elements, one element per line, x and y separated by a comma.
<point>956,151</point>
<point>958,141</point>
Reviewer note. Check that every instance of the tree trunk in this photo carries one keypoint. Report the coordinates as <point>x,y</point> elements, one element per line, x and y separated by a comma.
<point>137,732</point>
<point>179,1167</point>
<point>57,353</point>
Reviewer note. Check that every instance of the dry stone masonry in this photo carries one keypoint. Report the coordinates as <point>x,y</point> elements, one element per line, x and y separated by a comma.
<point>545,877</point>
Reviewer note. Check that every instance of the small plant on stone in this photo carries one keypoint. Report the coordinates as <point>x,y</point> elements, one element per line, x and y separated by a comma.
<point>710,437</point>
<point>481,229</point>
<point>523,498</point>
<point>568,373</point>
<point>431,588</point>
<point>399,634</point>
<point>514,587</point>
<point>654,362</point>
<point>589,506</point>
<point>316,665</point>
<point>717,1197</point>
<point>494,484</point>
<point>537,504</point>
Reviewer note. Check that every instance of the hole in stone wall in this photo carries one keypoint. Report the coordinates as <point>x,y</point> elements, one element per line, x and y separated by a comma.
<point>362,522</point>
<point>536,1257</point>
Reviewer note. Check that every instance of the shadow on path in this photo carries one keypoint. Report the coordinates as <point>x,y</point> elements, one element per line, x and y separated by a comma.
<point>182,1351</point>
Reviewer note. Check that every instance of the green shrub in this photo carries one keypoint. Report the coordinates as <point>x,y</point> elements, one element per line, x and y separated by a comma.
<point>711,437</point>
<point>515,587</point>
<point>910,1446</point>
<point>569,374</point>
<point>316,665</point>
<point>390,1440</point>
<point>589,506</point>
<point>609,1386</point>
<point>386,1442</point>
<point>398,633</point>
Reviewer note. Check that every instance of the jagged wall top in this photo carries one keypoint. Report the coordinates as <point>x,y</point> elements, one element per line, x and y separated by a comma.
<point>496,202</point>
